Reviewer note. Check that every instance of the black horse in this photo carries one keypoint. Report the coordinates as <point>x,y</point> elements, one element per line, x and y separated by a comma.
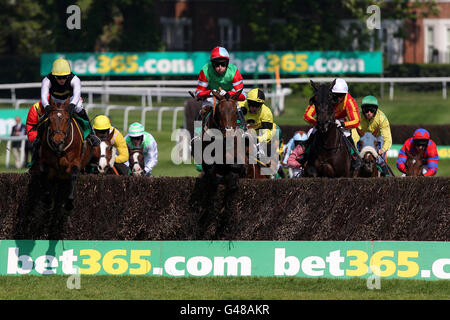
<point>328,155</point>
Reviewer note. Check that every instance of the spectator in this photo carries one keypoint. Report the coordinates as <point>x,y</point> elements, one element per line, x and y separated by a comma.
<point>19,129</point>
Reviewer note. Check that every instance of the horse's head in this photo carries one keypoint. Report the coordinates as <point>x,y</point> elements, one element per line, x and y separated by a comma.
<point>324,102</point>
<point>107,153</point>
<point>59,126</point>
<point>225,113</point>
<point>414,163</point>
<point>368,139</point>
<point>136,161</point>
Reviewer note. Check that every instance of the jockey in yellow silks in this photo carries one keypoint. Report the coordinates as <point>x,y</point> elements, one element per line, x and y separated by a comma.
<point>103,126</point>
<point>375,121</point>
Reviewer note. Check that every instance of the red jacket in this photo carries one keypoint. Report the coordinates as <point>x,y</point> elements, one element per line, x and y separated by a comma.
<point>347,109</point>
<point>34,114</point>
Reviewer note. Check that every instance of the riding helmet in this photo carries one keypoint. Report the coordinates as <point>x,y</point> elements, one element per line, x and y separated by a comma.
<point>220,53</point>
<point>101,123</point>
<point>135,129</point>
<point>340,86</point>
<point>421,135</point>
<point>256,95</point>
<point>61,67</point>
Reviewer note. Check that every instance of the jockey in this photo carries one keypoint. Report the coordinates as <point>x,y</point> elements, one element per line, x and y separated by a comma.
<point>259,117</point>
<point>61,84</point>
<point>34,115</point>
<point>138,137</point>
<point>294,161</point>
<point>373,120</point>
<point>219,72</point>
<point>102,127</point>
<point>418,142</point>
<point>346,115</point>
<point>288,147</point>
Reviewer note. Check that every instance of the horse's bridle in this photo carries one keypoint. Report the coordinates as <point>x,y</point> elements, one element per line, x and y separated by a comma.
<point>51,133</point>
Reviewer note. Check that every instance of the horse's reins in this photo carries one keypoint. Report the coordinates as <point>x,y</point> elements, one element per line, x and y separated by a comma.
<point>51,142</point>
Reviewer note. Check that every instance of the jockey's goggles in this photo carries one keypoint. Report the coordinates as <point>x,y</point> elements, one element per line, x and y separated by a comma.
<point>254,104</point>
<point>299,142</point>
<point>339,94</point>
<point>420,142</point>
<point>61,77</point>
<point>369,107</point>
<point>217,63</point>
<point>101,132</point>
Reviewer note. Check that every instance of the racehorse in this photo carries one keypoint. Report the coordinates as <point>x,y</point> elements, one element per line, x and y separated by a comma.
<point>414,163</point>
<point>329,156</point>
<point>104,157</point>
<point>136,161</point>
<point>369,153</point>
<point>253,170</point>
<point>222,117</point>
<point>63,153</point>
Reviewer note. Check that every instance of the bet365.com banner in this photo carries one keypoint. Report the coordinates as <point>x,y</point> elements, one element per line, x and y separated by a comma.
<point>190,63</point>
<point>319,259</point>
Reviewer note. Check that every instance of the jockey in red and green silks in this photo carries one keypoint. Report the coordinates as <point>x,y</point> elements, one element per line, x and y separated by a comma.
<point>219,72</point>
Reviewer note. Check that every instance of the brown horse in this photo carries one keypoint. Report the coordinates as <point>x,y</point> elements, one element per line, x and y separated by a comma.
<point>253,165</point>
<point>103,156</point>
<point>63,153</point>
<point>414,163</point>
<point>368,146</point>
<point>329,156</point>
<point>136,161</point>
<point>221,163</point>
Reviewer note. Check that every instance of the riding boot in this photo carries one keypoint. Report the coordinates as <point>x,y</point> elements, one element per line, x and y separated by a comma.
<point>307,152</point>
<point>241,119</point>
<point>355,162</point>
<point>384,169</point>
<point>91,138</point>
<point>35,151</point>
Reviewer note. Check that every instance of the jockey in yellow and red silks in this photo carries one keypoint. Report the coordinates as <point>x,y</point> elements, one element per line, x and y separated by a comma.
<point>345,110</point>
<point>346,114</point>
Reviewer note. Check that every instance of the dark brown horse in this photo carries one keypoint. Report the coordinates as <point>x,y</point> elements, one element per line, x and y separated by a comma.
<point>220,161</point>
<point>329,156</point>
<point>63,153</point>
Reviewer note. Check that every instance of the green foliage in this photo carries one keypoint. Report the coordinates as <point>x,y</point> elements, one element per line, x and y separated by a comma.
<point>33,27</point>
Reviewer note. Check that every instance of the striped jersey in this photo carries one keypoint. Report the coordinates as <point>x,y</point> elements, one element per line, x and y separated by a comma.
<point>347,109</point>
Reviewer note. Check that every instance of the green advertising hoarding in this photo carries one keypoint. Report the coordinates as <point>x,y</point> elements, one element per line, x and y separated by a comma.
<point>190,63</point>
<point>326,259</point>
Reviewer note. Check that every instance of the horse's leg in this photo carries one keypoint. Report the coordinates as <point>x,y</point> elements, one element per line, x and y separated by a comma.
<point>45,184</point>
<point>74,172</point>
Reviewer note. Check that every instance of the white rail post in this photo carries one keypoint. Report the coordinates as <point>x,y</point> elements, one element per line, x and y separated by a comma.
<point>391,91</point>
<point>444,90</point>
<point>8,150</point>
